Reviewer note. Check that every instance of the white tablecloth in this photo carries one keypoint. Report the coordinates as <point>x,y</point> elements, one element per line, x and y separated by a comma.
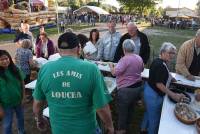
<point>169,124</point>
<point>41,61</point>
<point>32,84</point>
<point>183,81</point>
<point>46,112</point>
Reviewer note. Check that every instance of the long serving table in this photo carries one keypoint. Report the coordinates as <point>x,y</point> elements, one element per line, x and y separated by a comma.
<point>180,80</point>
<point>103,66</point>
<point>168,122</point>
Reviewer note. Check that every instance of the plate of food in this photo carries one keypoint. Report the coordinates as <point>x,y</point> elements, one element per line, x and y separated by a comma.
<point>196,101</point>
<point>186,99</point>
<point>101,63</point>
<point>185,113</point>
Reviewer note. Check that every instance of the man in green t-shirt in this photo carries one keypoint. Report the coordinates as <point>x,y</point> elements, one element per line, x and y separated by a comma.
<point>74,90</point>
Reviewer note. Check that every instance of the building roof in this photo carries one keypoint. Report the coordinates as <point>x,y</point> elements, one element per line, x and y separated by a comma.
<point>175,9</point>
<point>181,12</point>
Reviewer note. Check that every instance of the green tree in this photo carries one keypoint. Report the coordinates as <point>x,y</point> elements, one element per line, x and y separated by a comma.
<point>154,12</point>
<point>138,6</point>
<point>92,4</point>
<point>81,3</point>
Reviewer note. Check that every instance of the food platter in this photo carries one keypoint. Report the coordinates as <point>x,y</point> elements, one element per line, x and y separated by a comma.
<point>185,113</point>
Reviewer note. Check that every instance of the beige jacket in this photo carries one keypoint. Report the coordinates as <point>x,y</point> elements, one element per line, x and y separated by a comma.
<point>185,57</point>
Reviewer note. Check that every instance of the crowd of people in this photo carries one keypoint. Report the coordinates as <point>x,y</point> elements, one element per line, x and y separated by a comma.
<point>91,18</point>
<point>175,23</point>
<point>74,89</point>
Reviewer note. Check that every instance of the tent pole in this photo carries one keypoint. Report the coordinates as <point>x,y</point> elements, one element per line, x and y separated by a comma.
<point>56,2</point>
<point>29,6</point>
<point>99,18</point>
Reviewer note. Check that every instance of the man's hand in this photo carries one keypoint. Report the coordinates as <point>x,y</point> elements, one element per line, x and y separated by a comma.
<point>1,112</point>
<point>197,97</point>
<point>110,130</point>
<point>87,55</point>
<point>190,77</point>
<point>41,124</point>
<point>105,115</point>
<point>178,97</point>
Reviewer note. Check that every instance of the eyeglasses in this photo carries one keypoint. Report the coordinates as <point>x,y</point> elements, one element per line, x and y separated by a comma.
<point>172,53</point>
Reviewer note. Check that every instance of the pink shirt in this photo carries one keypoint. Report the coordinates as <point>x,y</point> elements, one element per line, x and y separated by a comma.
<point>128,70</point>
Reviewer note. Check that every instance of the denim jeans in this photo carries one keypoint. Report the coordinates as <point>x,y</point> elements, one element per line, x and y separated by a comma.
<point>153,103</point>
<point>8,119</point>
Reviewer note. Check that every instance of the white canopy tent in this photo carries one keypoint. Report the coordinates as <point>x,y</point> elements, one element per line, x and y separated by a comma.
<point>95,9</point>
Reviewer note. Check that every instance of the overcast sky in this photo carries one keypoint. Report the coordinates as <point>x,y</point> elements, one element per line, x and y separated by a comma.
<point>172,3</point>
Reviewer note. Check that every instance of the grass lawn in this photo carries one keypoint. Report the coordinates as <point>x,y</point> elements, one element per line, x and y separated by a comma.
<point>162,34</point>
<point>158,35</point>
<point>50,31</point>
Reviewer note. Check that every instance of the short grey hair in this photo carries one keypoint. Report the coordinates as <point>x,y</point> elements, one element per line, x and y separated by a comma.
<point>198,33</point>
<point>69,30</point>
<point>128,45</point>
<point>26,43</point>
<point>167,46</point>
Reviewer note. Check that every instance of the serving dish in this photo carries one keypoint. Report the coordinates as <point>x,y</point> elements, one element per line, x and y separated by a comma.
<point>185,113</point>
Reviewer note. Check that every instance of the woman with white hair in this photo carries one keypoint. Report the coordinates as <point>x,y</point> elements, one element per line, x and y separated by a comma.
<point>129,84</point>
<point>24,59</point>
<point>157,86</point>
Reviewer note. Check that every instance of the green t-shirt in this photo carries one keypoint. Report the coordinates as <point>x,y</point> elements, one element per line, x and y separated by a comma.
<point>74,89</point>
<point>11,90</point>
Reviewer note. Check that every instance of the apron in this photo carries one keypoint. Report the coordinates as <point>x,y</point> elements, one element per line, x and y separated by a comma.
<point>169,77</point>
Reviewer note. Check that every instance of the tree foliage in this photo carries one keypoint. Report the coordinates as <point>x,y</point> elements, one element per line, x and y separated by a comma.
<point>138,6</point>
<point>93,4</point>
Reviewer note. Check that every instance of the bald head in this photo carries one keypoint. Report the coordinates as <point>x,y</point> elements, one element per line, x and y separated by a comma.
<point>132,29</point>
<point>131,24</point>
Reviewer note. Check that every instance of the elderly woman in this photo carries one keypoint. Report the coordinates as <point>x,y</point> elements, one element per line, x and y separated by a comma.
<point>157,87</point>
<point>45,47</point>
<point>24,58</point>
<point>129,84</point>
